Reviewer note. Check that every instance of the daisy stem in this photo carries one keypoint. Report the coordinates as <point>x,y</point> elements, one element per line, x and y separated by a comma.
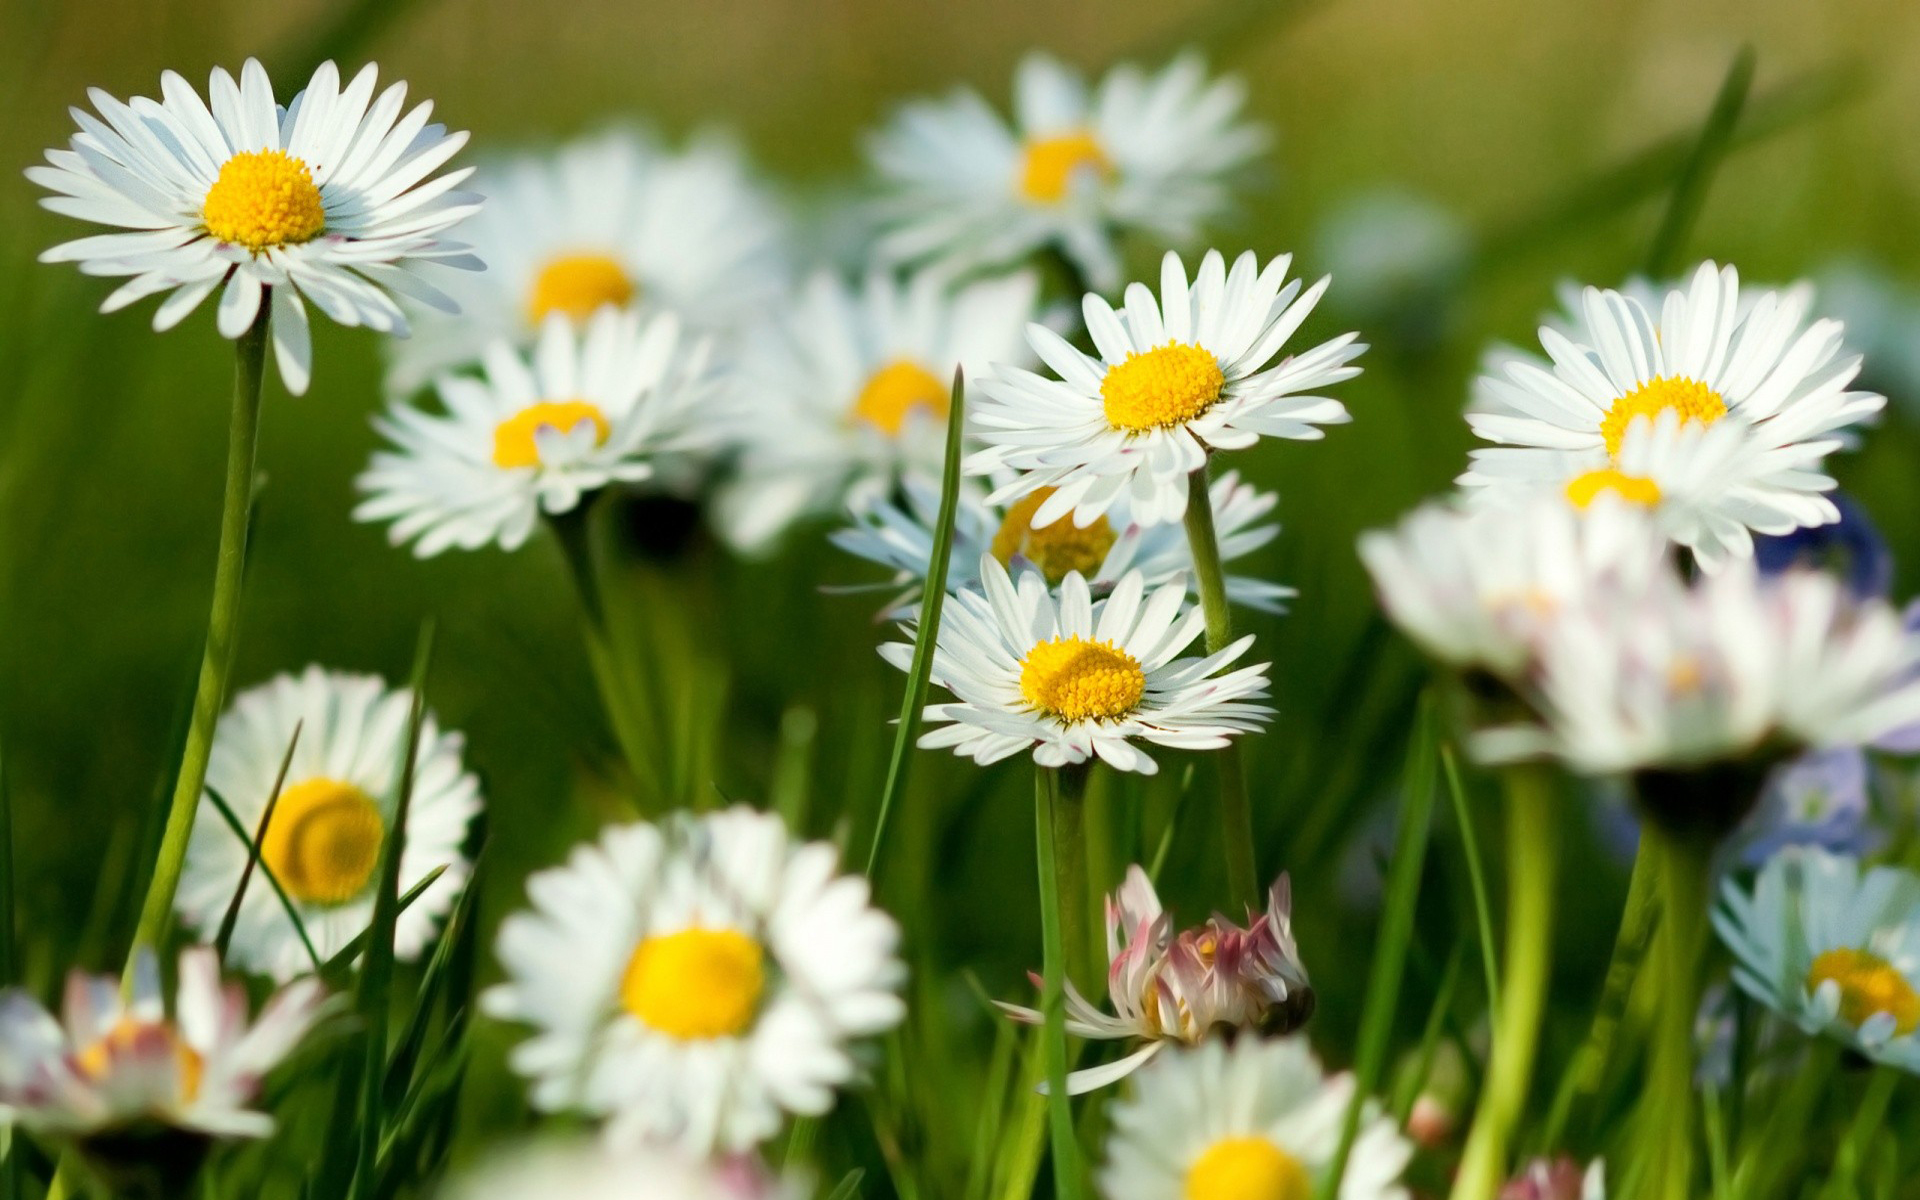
<point>1533,852</point>
<point>1066,1152</point>
<point>1070,852</point>
<point>216,662</point>
<point>1236,817</point>
<point>1684,859</point>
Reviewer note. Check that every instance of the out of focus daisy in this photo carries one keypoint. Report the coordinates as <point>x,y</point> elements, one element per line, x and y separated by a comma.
<point>1832,947</point>
<point>1148,153</point>
<point>616,219</point>
<point>696,982</point>
<point>1069,678</point>
<point>589,1171</point>
<point>331,199</point>
<point>1170,988</point>
<point>1557,1179</point>
<point>332,818</point>
<point>847,387</point>
<point>899,533</point>
<point>1175,378</point>
<point>1254,1118</point>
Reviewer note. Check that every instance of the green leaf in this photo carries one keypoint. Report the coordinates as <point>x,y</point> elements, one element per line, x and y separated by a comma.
<point>849,1185</point>
<point>401,1063</point>
<point>1696,175</point>
<point>225,937</point>
<point>338,970</point>
<point>225,810</point>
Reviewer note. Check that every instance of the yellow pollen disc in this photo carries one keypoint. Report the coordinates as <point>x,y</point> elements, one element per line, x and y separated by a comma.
<point>324,841</point>
<point>264,198</point>
<point>579,285</point>
<point>1166,386</point>
<point>897,389</point>
<point>125,1038</point>
<point>1694,401</point>
<point>1048,165</point>
<point>1057,549</point>
<point>695,984</point>
<point>1078,680</point>
<point>1634,489</point>
<point>514,444</point>
<point>1247,1168</point>
<point>1868,985</point>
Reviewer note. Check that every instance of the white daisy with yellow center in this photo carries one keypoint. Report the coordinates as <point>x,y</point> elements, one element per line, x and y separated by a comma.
<point>331,822</point>
<point>618,218</point>
<point>1832,946</point>
<point>1068,678</point>
<point>331,200</point>
<point>1746,396</point>
<point>1151,153</point>
<point>696,982</point>
<point>847,387</point>
<point>589,407</point>
<point>1175,379</point>
<point>1254,1120</point>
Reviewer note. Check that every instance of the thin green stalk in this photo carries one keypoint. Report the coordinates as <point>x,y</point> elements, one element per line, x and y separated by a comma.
<point>1477,879</point>
<point>1690,187</point>
<point>287,905</point>
<point>1532,855</point>
<point>224,937</point>
<point>1867,1122</point>
<point>1236,817</point>
<point>1666,1133</point>
<point>1053,1006</point>
<point>210,694</point>
<point>1069,811</point>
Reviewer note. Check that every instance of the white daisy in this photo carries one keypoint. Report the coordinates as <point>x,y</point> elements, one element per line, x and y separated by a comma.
<point>588,407</point>
<point>1174,380</point>
<point>1257,1118</point>
<point>1832,947</point>
<point>848,387</point>
<point>612,219</point>
<point>1149,153</point>
<point>898,532</point>
<point>697,981</point>
<point>590,1171</point>
<point>1708,356</point>
<point>323,844</point>
<point>327,200</point>
<point>1069,678</point>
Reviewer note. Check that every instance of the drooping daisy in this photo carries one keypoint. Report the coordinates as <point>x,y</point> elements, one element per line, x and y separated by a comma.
<point>1832,947</point>
<point>848,387</point>
<point>1069,678</point>
<point>330,200</point>
<point>590,1171</point>
<point>615,219</point>
<point>696,982</point>
<point>1171,989</point>
<point>1175,379</point>
<point>1708,356</point>
<point>1254,1118</point>
<point>590,406</point>
<point>1149,153</point>
<point>332,818</point>
<point>899,533</point>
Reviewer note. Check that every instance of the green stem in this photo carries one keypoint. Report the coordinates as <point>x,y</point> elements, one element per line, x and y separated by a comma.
<point>1070,855</point>
<point>1866,1127</point>
<point>1684,861</point>
<point>216,662</point>
<point>1532,854</point>
<point>1236,817</point>
<point>1066,1152</point>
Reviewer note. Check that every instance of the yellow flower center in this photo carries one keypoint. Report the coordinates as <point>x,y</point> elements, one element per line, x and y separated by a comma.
<point>1869,984</point>
<point>1048,165</point>
<point>324,841</point>
<point>579,285</point>
<point>695,984</point>
<point>1247,1168</point>
<point>896,390</point>
<point>1078,680</point>
<point>514,444</point>
<point>1166,386</point>
<point>1057,549</point>
<point>129,1037</point>
<point>1693,400</point>
<point>264,198</point>
<point>1583,490</point>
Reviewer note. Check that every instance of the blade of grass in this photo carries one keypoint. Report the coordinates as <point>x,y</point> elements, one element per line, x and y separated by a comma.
<point>1430,1037</point>
<point>339,969</point>
<point>1066,1151</point>
<point>849,1185</point>
<point>224,938</point>
<point>793,765</point>
<point>1477,877</point>
<point>225,810</point>
<point>1696,175</point>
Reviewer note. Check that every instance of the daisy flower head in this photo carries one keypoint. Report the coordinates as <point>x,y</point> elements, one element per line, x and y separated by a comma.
<point>1069,678</point>
<point>697,981</point>
<point>323,843</point>
<point>1154,153</point>
<point>848,386</point>
<point>591,405</point>
<point>613,219</point>
<point>1833,947</point>
<point>330,200</point>
<point>589,1171</point>
<point>1257,1117</point>
<point>1746,396</point>
<point>1172,380</point>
